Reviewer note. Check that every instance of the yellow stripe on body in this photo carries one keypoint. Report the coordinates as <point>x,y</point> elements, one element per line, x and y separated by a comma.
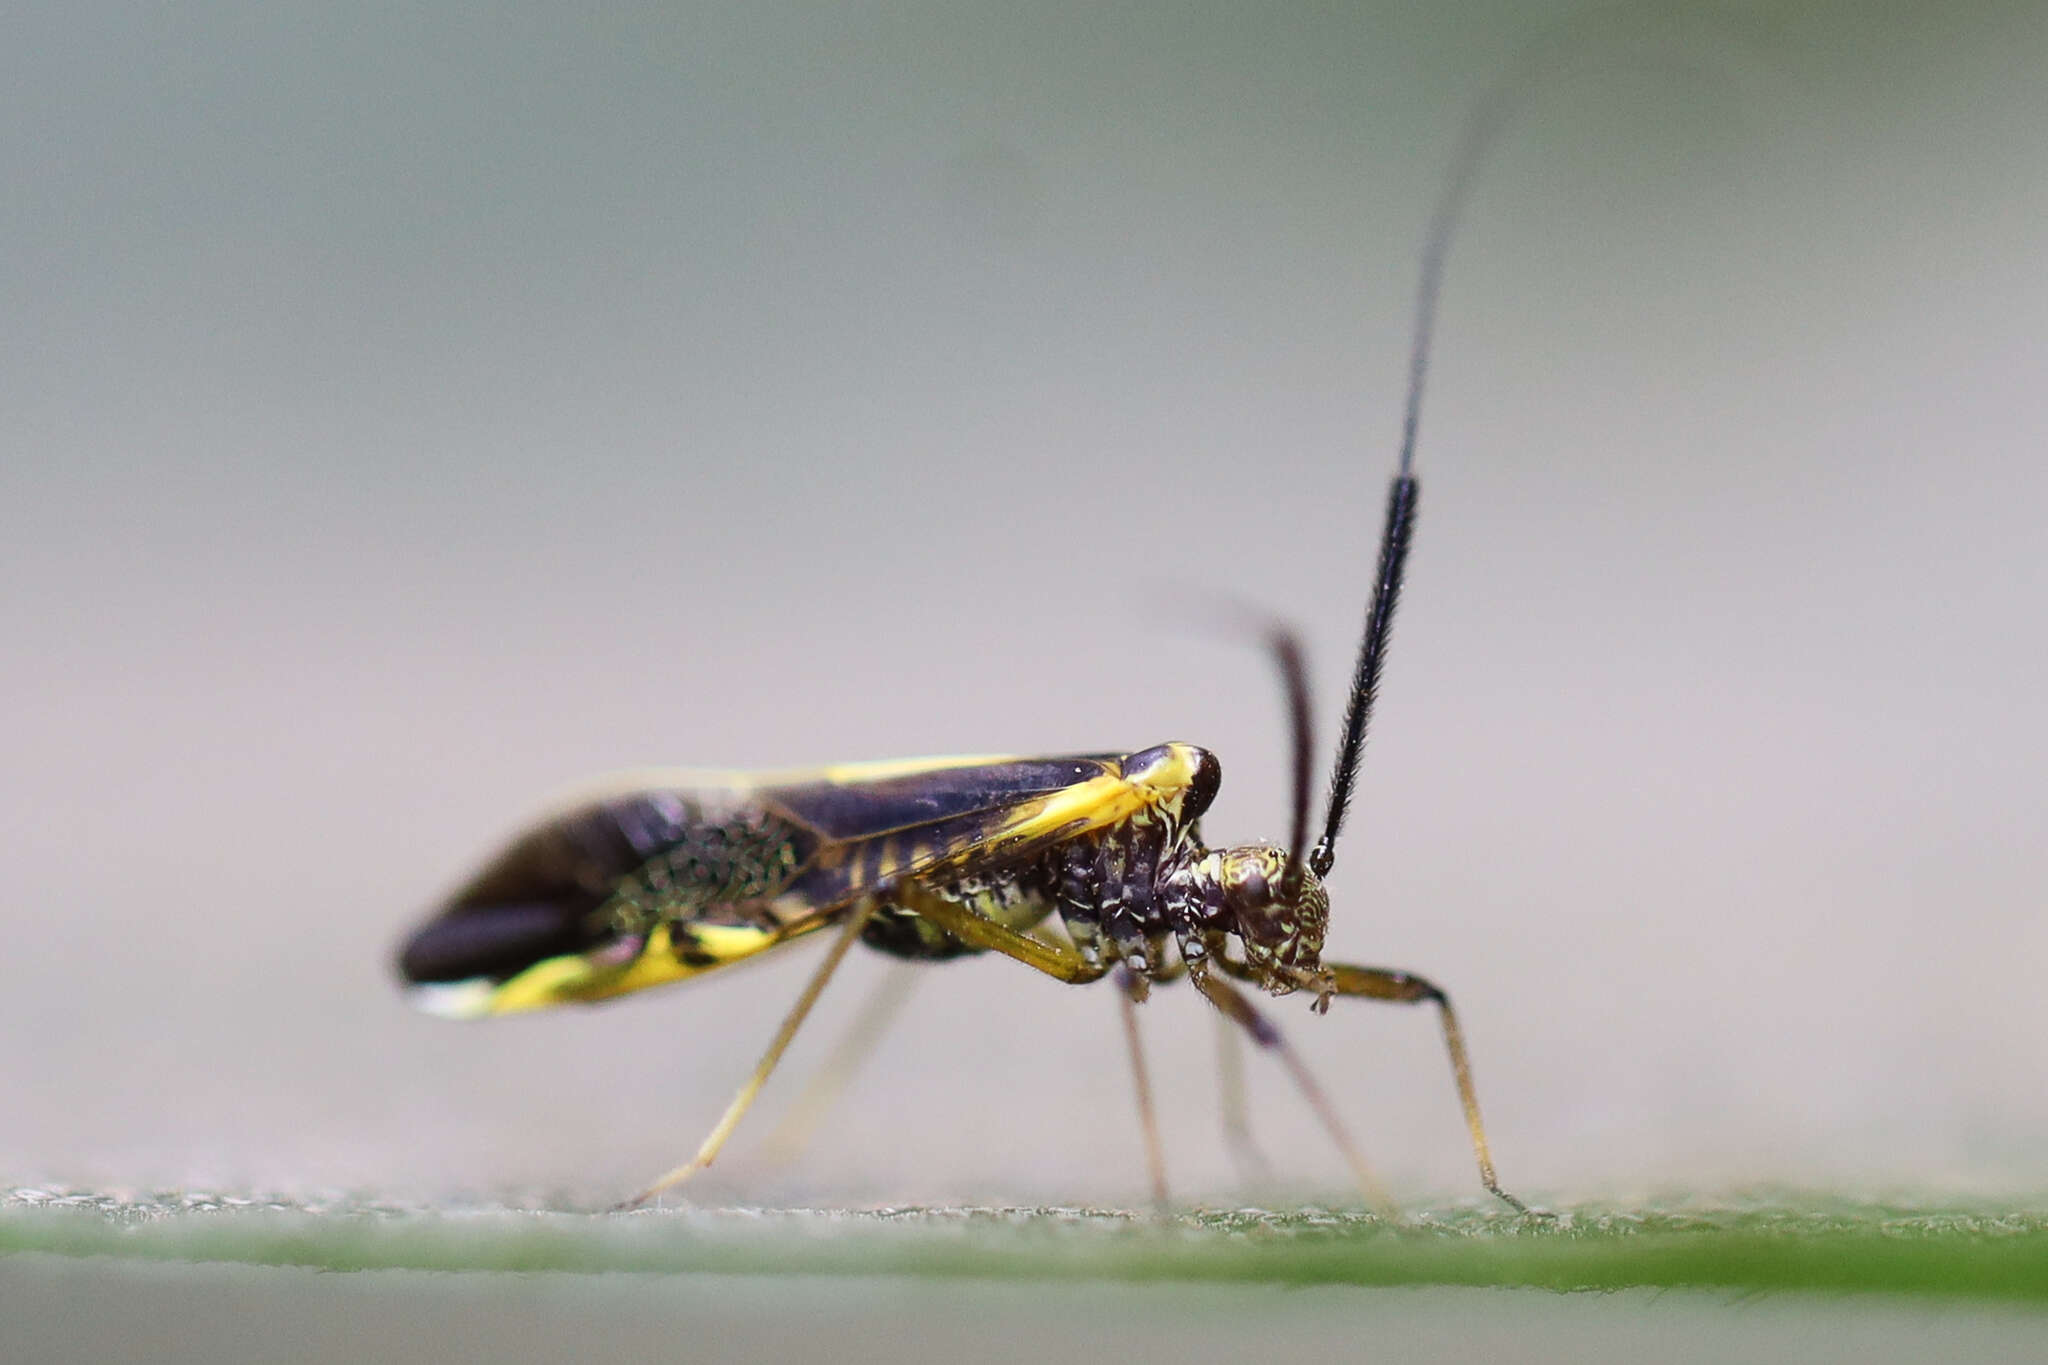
<point>1101,802</point>
<point>747,781</point>
<point>576,977</point>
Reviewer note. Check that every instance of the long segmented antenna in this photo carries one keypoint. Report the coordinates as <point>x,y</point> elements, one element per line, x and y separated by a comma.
<point>1287,657</point>
<point>1481,131</point>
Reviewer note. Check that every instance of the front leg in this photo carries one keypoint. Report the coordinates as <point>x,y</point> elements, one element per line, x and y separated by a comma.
<point>1406,988</point>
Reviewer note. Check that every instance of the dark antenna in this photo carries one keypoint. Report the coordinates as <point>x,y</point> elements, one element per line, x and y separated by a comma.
<point>1283,646</point>
<point>1287,657</point>
<point>1481,130</point>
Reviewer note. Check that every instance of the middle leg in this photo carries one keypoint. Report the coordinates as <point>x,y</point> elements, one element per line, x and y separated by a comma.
<point>1128,994</point>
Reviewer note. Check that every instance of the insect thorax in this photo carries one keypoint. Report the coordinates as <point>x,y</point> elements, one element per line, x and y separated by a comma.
<point>1120,890</point>
<point>1144,893</point>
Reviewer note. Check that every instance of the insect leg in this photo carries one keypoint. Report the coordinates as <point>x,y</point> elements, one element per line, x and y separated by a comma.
<point>1240,1011</point>
<point>789,1137</point>
<point>1055,960</point>
<point>1405,988</point>
<point>1148,1118</point>
<point>856,918</point>
<point>1252,1166</point>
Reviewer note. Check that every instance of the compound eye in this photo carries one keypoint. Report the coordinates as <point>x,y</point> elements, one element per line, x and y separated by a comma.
<point>1253,880</point>
<point>1254,891</point>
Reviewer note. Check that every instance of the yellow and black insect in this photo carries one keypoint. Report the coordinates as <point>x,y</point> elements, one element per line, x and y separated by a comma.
<point>1082,867</point>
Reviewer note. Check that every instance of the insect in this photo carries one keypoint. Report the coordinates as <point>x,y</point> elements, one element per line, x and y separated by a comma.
<point>1085,867</point>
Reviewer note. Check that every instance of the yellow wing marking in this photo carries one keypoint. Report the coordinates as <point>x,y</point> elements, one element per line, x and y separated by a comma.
<point>579,978</point>
<point>849,774</point>
<point>744,782</point>
<point>1099,802</point>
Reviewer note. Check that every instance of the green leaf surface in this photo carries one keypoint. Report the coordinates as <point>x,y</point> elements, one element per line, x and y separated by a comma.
<point>1809,1244</point>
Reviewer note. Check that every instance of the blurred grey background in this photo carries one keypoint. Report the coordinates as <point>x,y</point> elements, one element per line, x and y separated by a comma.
<point>409,412</point>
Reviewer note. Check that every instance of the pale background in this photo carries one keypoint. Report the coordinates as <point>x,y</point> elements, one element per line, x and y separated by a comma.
<point>407,413</point>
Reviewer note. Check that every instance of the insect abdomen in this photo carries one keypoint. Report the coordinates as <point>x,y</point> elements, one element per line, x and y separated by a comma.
<point>600,875</point>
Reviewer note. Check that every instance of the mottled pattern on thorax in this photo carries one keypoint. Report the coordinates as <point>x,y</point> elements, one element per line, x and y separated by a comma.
<point>1105,883</point>
<point>1117,884</point>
